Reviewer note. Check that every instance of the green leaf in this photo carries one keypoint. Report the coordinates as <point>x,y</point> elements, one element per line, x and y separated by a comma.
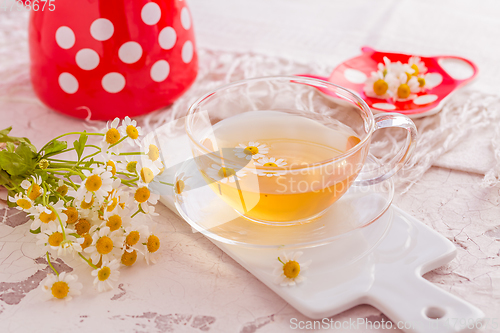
<point>89,163</point>
<point>54,147</point>
<point>25,152</point>
<point>11,147</point>
<point>4,137</point>
<point>12,163</point>
<point>37,231</point>
<point>80,145</point>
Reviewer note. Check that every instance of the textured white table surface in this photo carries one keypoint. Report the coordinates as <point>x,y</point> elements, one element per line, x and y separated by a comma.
<point>195,286</point>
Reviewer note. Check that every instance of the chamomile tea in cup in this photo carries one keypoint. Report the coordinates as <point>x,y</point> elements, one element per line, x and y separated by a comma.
<point>280,152</point>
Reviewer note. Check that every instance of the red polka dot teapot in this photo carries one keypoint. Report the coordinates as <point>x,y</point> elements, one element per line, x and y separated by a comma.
<point>102,59</point>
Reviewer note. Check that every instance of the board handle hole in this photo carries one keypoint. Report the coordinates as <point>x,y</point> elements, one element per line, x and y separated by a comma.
<point>434,312</point>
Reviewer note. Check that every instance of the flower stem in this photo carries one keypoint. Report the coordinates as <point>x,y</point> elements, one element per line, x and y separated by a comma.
<point>280,260</point>
<point>50,264</point>
<point>166,183</point>
<point>88,261</point>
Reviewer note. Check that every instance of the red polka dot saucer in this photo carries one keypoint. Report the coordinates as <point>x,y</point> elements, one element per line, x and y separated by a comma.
<point>112,58</point>
<point>448,74</point>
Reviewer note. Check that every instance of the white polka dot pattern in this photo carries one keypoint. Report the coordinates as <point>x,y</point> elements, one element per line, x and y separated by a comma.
<point>185,19</point>
<point>151,13</point>
<point>102,29</point>
<point>160,71</point>
<point>87,59</point>
<point>113,82</point>
<point>65,37</point>
<point>130,52</point>
<point>187,52</point>
<point>384,106</point>
<point>167,38</point>
<point>425,99</point>
<point>68,83</point>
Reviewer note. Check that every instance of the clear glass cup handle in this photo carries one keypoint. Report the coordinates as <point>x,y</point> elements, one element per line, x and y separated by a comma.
<point>386,120</point>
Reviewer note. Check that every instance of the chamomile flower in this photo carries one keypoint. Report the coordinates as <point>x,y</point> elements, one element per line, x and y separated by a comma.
<point>65,190</point>
<point>116,203</point>
<point>53,240</point>
<point>46,217</point>
<point>425,82</point>
<point>97,185</point>
<point>377,85</point>
<point>143,197</point>
<point>405,88</point>
<point>129,165</point>
<point>134,236</point>
<point>289,271</point>
<point>33,188</point>
<point>64,286</point>
<point>417,65</point>
<point>111,136</point>
<point>151,150</point>
<point>181,185</point>
<point>22,201</point>
<point>270,163</point>
<point>151,247</point>
<point>129,128</point>
<point>147,170</point>
<point>105,245</point>
<point>223,174</point>
<point>106,275</point>
<point>252,150</point>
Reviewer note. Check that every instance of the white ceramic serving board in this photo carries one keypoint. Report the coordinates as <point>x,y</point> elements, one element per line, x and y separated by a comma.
<point>388,278</point>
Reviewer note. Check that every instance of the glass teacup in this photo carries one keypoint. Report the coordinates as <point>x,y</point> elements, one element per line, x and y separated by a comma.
<point>280,152</point>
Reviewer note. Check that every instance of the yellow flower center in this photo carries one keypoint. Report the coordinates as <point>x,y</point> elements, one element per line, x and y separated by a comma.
<point>380,87</point>
<point>142,194</point>
<point>132,238</point>
<point>87,205</point>
<point>112,136</point>
<point>46,218</point>
<point>60,289</point>
<point>104,245</point>
<point>114,222</point>
<point>104,273</point>
<point>93,183</point>
<point>415,67</point>
<point>147,175</point>
<point>113,167</point>
<point>82,226</point>
<point>23,203</point>
<point>291,269</point>
<point>421,82</point>
<point>408,77</point>
<point>403,91</point>
<point>87,241</point>
<point>153,153</point>
<point>270,164</point>
<point>131,166</point>
<point>179,186</point>
<point>113,205</point>
<point>132,132</point>
<point>62,190</point>
<point>72,215</point>
<point>226,172</point>
<point>55,239</point>
<point>129,258</point>
<point>251,150</point>
<point>153,243</point>
<point>34,191</point>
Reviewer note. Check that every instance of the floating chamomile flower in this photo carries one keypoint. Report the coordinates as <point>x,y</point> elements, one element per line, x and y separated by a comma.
<point>405,88</point>
<point>129,128</point>
<point>151,150</point>
<point>22,201</point>
<point>288,270</point>
<point>181,185</point>
<point>223,174</point>
<point>111,136</point>
<point>417,65</point>
<point>270,163</point>
<point>252,150</point>
<point>97,185</point>
<point>64,286</point>
<point>106,275</point>
<point>33,189</point>
<point>106,245</point>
